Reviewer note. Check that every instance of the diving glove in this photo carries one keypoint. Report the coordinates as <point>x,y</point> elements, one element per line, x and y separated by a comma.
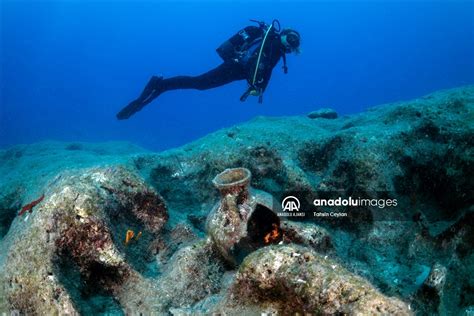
<point>253,92</point>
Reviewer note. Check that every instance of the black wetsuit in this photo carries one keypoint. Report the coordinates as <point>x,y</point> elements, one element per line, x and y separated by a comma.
<point>229,71</point>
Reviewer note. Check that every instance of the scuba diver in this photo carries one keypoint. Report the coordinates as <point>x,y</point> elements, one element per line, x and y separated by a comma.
<point>251,54</point>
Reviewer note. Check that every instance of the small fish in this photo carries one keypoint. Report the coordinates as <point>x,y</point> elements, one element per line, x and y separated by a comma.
<point>29,207</point>
<point>130,236</point>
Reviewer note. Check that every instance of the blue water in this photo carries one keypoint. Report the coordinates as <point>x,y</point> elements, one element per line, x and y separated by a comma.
<point>68,66</point>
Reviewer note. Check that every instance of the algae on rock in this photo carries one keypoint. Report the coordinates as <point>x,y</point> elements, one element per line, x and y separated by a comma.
<point>73,222</point>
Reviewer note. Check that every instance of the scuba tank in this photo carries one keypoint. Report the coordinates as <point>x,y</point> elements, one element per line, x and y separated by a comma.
<point>237,47</point>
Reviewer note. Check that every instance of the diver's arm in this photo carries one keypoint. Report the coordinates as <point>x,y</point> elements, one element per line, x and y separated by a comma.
<point>263,81</point>
<point>257,88</point>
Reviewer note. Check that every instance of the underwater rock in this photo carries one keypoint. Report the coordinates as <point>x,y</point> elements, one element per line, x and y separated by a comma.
<point>71,228</point>
<point>291,279</point>
<point>193,273</point>
<point>168,242</point>
<point>419,152</point>
<point>307,234</point>
<point>458,236</point>
<point>323,113</point>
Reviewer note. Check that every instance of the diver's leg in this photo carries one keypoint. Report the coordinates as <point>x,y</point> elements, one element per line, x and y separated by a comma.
<point>219,76</point>
<point>150,87</point>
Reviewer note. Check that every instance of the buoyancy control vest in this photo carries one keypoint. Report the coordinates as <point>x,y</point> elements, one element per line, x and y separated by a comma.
<point>246,43</point>
<point>241,46</point>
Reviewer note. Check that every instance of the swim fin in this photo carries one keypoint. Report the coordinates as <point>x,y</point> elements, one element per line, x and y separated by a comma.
<point>132,108</point>
<point>151,91</point>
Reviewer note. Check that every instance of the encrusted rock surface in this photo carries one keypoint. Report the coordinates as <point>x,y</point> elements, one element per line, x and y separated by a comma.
<point>193,273</point>
<point>325,113</point>
<point>419,152</point>
<point>292,279</point>
<point>72,227</point>
<point>306,234</point>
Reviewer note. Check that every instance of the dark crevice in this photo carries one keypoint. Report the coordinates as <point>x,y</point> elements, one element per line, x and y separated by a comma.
<point>9,206</point>
<point>261,223</point>
<point>88,298</point>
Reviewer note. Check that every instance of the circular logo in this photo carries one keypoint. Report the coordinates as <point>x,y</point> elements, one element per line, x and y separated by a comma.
<point>290,204</point>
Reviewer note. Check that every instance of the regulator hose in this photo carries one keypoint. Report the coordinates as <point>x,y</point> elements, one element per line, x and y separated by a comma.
<point>260,52</point>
